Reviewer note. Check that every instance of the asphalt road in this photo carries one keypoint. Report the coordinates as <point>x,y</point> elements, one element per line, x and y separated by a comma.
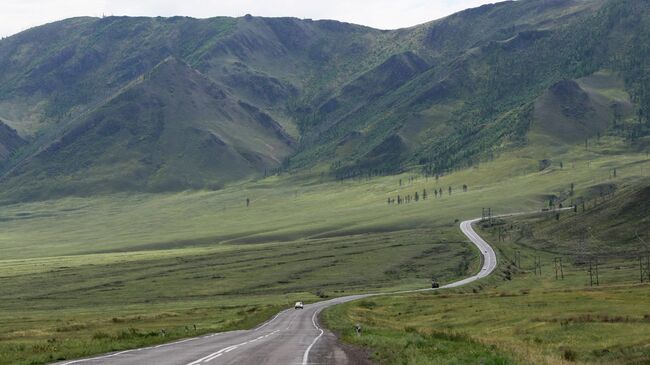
<point>291,337</point>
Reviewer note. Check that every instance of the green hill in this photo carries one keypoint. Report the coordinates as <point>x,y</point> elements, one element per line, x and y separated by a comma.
<point>171,129</point>
<point>572,111</point>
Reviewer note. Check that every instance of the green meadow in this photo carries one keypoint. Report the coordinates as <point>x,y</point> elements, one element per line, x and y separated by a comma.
<point>584,303</point>
<point>82,276</point>
<point>530,320</point>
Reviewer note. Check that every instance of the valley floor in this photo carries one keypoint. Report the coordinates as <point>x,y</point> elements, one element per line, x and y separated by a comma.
<point>82,276</point>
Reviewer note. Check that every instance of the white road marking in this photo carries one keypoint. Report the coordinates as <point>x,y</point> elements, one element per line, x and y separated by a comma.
<point>140,349</point>
<point>269,321</point>
<point>220,352</point>
<point>225,350</point>
<point>305,356</point>
<point>98,358</point>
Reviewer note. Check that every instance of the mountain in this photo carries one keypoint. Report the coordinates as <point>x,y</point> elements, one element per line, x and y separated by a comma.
<point>173,128</point>
<point>158,104</point>
<point>10,141</point>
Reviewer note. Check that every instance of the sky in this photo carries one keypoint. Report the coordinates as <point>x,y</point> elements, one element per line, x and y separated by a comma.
<point>18,15</point>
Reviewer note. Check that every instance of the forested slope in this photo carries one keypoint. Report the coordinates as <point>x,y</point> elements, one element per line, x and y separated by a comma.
<point>284,94</point>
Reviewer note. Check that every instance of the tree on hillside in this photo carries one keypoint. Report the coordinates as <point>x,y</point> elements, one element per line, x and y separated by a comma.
<point>417,197</point>
<point>450,190</point>
<point>465,188</point>
<point>616,111</point>
<point>248,202</point>
<point>424,194</point>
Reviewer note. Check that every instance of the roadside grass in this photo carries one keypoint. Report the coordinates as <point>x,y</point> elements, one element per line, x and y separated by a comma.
<point>73,333</point>
<point>527,326</point>
<point>413,345</point>
<point>82,276</point>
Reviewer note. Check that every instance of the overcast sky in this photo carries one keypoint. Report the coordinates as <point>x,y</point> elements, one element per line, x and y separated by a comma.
<point>18,15</point>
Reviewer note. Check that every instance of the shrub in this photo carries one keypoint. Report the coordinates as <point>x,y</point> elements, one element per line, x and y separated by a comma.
<point>321,294</point>
<point>128,334</point>
<point>410,329</point>
<point>43,348</point>
<point>569,355</point>
<point>100,335</point>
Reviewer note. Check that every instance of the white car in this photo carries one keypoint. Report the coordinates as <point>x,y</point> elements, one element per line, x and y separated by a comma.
<point>299,305</point>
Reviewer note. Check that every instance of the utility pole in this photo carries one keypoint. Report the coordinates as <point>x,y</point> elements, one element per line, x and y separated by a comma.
<point>559,270</point>
<point>538,266</point>
<point>485,215</point>
<point>518,259</point>
<point>593,272</point>
<point>644,261</point>
<point>644,268</point>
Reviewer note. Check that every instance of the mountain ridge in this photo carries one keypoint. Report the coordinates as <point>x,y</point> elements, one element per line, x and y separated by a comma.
<point>437,96</point>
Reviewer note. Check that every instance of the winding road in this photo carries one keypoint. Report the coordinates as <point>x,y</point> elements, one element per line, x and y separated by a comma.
<point>291,337</point>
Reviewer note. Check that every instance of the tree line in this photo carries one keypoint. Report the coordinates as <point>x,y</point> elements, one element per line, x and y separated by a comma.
<point>423,195</point>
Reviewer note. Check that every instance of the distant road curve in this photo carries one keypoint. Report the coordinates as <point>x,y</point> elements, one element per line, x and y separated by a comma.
<point>291,337</point>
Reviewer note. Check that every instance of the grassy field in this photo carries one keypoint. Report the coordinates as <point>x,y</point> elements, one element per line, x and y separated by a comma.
<point>289,208</point>
<point>520,316</point>
<point>80,305</point>
<point>88,275</point>
<point>503,325</point>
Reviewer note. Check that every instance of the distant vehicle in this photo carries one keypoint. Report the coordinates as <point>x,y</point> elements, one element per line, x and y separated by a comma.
<point>299,305</point>
<point>434,284</point>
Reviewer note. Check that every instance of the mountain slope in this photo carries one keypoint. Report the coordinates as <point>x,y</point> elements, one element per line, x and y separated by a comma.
<point>573,111</point>
<point>445,110</point>
<point>294,94</point>
<point>172,129</point>
<point>10,141</point>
